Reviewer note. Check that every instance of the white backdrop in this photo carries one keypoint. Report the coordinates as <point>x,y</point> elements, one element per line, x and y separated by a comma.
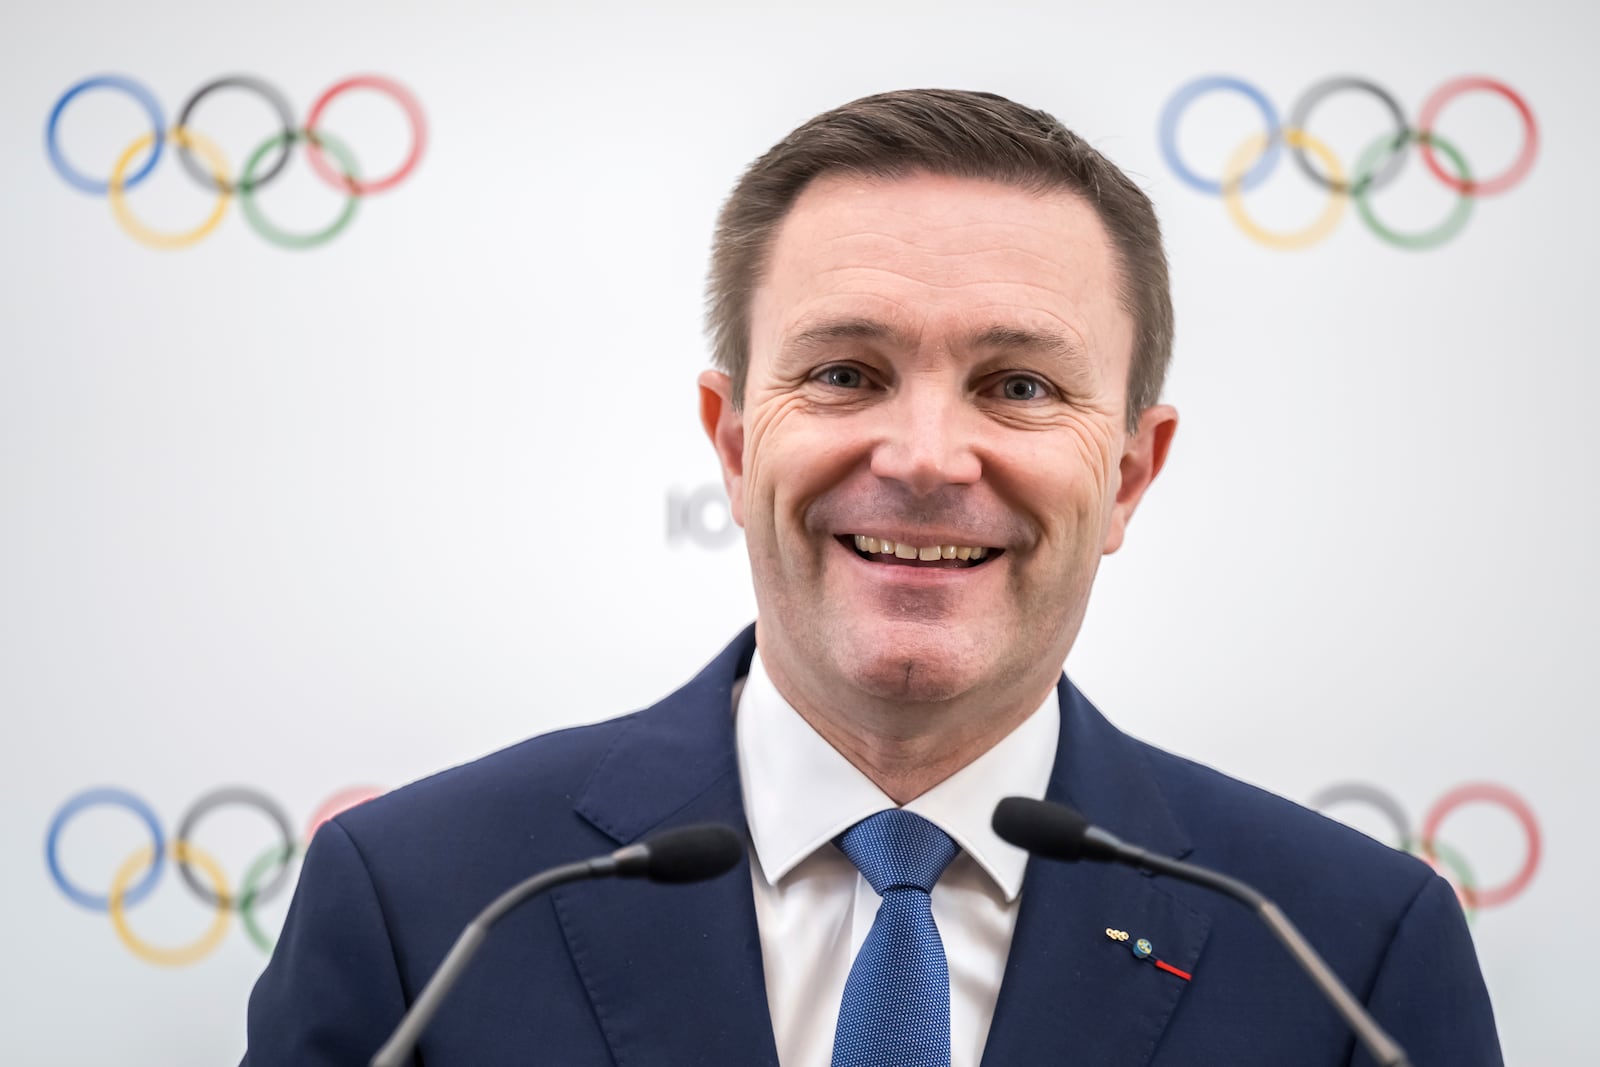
<point>302,520</point>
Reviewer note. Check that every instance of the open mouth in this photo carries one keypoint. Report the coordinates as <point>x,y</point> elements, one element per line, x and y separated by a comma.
<point>899,553</point>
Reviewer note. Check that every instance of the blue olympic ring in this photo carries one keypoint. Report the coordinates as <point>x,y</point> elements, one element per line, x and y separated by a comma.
<point>117,798</point>
<point>146,100</point>
<point>1173,112</point>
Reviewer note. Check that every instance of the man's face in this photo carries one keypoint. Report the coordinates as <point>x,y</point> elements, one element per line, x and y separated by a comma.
<point>935,362</point>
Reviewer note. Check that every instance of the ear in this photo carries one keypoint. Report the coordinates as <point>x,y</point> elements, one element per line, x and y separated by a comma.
<point>1143,455</point>
<point>725,427</point>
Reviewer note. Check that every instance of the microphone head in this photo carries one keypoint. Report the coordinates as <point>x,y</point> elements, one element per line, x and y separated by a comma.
<point>1054,831</point>
<point>691,853</point>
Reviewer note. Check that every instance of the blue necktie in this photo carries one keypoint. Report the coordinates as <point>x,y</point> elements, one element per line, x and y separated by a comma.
<point>896,1006</point>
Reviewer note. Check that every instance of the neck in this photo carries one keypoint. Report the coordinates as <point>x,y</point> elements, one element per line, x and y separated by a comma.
<point>906,748</point>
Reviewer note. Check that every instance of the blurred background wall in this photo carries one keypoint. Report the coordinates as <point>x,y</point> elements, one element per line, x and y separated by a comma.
<point>283,526</point>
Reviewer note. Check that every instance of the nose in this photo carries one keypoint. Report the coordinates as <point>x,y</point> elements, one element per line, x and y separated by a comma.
<point>927,441</point>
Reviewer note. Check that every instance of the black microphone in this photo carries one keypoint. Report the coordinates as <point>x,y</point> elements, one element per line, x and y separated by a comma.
<point>687,854</point>
<point>1057,832</point>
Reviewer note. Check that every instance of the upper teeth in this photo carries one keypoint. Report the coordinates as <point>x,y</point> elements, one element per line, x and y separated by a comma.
<point>925,552</point>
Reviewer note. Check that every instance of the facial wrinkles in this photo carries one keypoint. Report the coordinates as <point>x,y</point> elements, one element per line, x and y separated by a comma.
<point>763,420</point>
<point>920,293</point>
<point>1024,252</point>
<point>945,342</point>
<point>1096,442</point>
<point>945,236</point>
<point>939,391</point>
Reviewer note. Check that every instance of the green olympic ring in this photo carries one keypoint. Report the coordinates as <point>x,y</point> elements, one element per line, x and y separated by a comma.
<point>1378,155</point>
<point>277,855</point>
<point>264,226</point>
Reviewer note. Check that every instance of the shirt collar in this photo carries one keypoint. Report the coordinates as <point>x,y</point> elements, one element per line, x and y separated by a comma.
<point>800,793</point>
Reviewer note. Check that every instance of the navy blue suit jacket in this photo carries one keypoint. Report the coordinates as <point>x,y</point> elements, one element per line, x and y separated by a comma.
<point>631,973</point>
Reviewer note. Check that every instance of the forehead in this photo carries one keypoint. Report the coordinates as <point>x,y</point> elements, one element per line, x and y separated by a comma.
<point>930,255</point>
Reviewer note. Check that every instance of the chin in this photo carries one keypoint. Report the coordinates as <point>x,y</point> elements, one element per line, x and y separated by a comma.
<point>931,670</point>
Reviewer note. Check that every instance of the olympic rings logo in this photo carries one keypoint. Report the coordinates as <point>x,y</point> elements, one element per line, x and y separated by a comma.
<point>139,873</point>
<point>211,170</point>
<point>1253,161</point>
<point>1448,861</point>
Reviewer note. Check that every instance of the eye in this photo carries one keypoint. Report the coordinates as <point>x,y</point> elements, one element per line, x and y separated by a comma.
<point>1022,387</point>
<point>841,376</point>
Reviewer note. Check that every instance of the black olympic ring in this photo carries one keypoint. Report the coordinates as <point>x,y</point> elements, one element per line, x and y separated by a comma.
<point>1300,116</point>
<point>250,798</point>
<point>275,99</point>
<point>1361,793</point>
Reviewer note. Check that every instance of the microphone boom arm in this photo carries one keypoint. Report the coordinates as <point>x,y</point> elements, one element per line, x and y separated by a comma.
<point>1384,1049</point>
<point>685,854</point>
<point>396,1050</point>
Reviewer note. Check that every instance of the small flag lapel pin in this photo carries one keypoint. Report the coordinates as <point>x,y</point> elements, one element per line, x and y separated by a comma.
<point>1143,950</point>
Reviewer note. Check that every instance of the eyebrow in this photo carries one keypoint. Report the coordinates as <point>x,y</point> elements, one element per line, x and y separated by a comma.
<point>827,333</point>
<point>1011,338</point>
<point>1045,342</point>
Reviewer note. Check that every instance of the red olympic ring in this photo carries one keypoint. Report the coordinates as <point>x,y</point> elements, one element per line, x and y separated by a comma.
<point>1488,792</point>
<point>338,804</point>
<point>408,103</point>
<point>1530,138</point>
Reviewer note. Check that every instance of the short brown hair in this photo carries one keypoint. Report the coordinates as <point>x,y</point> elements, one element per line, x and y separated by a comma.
<point>948,132</point>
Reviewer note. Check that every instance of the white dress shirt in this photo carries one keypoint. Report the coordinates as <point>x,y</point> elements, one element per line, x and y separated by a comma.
<point>813,907</point>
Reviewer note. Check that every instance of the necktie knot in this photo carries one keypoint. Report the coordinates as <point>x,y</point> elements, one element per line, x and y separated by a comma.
<point>898,850</point>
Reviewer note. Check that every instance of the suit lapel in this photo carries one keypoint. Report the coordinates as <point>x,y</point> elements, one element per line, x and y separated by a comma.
<point>674,972</point>
<point>1071,992</point>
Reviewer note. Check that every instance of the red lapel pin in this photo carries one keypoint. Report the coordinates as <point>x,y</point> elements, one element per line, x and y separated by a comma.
<point>1143,950</point>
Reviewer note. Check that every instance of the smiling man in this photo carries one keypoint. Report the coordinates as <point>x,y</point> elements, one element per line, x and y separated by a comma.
<point>931,449</point>
<point>941,321</point>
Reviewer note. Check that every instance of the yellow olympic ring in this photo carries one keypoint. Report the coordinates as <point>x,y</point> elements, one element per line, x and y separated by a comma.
<point>155,238</point>
<point>183,955</point>
<point>1246,157</point>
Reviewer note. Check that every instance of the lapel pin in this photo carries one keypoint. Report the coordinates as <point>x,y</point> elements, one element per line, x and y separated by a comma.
<point>1143,950</point>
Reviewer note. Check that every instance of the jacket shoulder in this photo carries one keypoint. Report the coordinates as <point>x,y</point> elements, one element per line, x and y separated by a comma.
<point>531,784</point>
<point>1292,853</point>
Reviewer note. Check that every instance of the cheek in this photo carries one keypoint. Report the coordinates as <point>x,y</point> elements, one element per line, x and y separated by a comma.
<point>791,459</point>
<point>1067,481</point>
<point>788,556</point>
